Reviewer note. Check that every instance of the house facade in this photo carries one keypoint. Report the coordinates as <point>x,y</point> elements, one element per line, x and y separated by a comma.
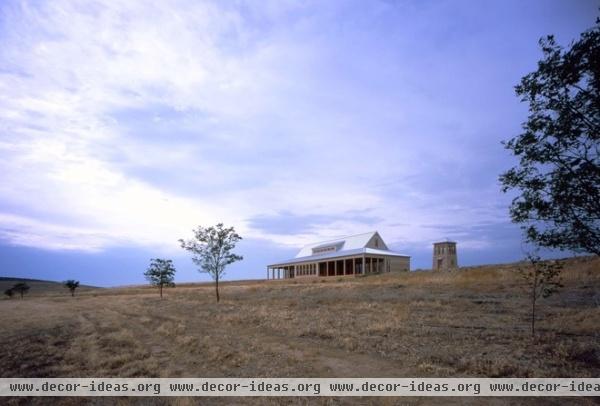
<point>353,255</point>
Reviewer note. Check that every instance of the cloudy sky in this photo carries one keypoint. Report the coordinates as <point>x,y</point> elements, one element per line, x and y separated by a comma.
<point>123,125</point>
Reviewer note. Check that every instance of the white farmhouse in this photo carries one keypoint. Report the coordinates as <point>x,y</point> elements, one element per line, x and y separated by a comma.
<point>353,255</point>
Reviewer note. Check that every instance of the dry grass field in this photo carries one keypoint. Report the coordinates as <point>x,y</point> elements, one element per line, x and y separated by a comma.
<point>468,323</point>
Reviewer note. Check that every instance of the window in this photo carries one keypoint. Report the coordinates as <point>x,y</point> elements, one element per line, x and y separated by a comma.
<point>321,250</point>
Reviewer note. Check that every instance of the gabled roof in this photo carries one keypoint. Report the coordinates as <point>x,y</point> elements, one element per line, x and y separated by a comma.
<point>351,242</point>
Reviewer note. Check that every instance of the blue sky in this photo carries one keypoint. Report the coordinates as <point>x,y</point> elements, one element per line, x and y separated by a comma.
<point>124,125</point>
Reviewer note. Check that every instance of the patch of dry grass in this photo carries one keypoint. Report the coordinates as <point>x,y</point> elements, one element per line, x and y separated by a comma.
<point>469,323</point>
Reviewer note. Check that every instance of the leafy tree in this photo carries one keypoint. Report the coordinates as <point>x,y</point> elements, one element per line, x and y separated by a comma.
<point>21,288</point>
<point>161,272</point>
<point>71,284</point>
<point>212,250</point>
<point>9,292</point>
<point>542,279</point>
<point>558,175</point>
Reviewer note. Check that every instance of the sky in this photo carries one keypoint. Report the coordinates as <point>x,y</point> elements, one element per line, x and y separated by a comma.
<point>125,125</point>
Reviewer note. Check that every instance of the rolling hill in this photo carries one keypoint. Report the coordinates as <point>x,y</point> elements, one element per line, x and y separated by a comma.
<point>41,287</point>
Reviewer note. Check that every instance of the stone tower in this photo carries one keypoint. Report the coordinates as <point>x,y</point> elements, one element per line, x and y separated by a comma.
<point>444,256</point>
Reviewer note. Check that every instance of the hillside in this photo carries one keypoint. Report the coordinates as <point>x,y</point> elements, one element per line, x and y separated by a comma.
<point>469,323</point>
<point>41,287</point>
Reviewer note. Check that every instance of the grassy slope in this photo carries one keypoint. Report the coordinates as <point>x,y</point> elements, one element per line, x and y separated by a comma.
<point>468,323</point>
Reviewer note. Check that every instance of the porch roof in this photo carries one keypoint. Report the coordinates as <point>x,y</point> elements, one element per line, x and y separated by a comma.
<point>338,255</point>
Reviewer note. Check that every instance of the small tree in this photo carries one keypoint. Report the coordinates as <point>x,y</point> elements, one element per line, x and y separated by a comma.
<point>9,292</point>
<point>21,288</point>
<point>211,250</point>
<point>71,284</point>
<point>161,272</point>
<point>542,279</point>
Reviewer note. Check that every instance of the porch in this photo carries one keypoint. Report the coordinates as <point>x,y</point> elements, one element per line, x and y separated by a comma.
<point>355,265</point>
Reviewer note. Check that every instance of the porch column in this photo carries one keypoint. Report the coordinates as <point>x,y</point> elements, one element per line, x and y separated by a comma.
<point>354,266</point>
<point>364,263</point>
<point>335,267</point>
<point>344,267</point>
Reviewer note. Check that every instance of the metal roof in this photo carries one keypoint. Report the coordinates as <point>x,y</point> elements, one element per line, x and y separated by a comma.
<point>346,243</point>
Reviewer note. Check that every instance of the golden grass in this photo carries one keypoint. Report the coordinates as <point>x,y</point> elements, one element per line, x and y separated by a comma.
<point>469,323</point>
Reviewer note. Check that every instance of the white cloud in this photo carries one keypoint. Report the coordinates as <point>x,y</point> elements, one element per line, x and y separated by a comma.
<point>271,128</point>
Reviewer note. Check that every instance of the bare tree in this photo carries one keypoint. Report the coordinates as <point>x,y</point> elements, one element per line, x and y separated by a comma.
<point>211,250</point>
<point>542,279</point>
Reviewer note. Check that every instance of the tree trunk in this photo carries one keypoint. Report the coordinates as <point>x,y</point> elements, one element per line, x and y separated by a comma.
<point>21,295</point>
<point>160,288</point>
<point>533,318</point>
<point>73,293</point>
<point>217,287</point>
<point>533,294</point>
